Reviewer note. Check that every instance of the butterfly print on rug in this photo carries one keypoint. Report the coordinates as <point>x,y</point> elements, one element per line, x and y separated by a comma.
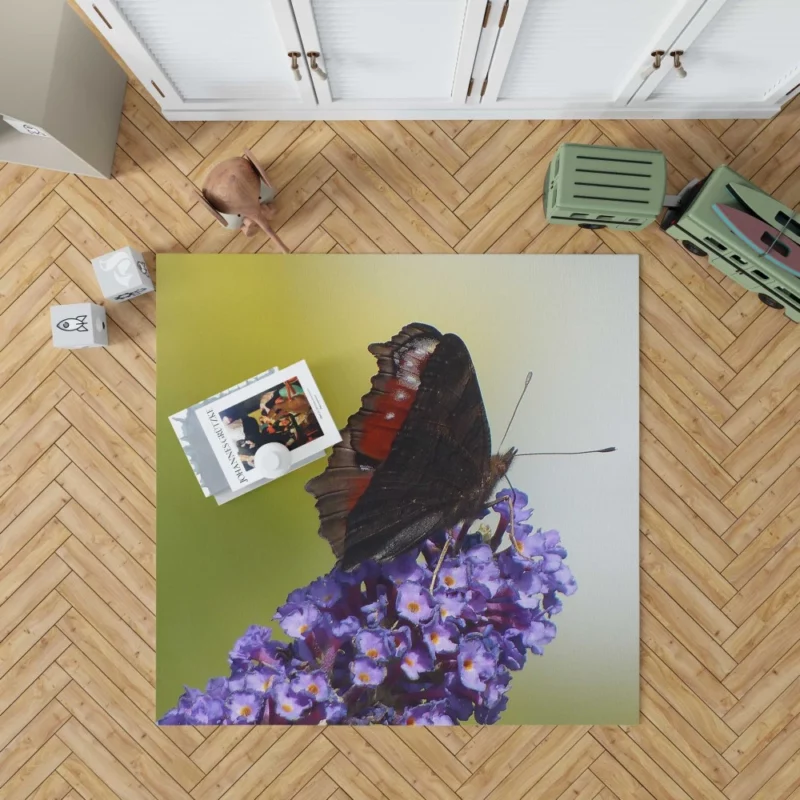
<point>415,458</point>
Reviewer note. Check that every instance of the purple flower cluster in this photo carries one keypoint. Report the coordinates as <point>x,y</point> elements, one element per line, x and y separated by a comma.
<point>426,639</point>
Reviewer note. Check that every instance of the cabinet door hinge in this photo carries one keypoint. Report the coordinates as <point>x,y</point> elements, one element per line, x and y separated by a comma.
<point>485,84</point>
<point>487,12</point>
<point>503,15</point>
<point>469,88</point>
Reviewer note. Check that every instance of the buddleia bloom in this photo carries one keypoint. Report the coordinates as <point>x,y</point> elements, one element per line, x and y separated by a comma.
<point>430,638</point>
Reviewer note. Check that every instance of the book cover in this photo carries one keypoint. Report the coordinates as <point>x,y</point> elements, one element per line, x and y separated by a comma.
<point>285,407</point>
<point>196,446</point>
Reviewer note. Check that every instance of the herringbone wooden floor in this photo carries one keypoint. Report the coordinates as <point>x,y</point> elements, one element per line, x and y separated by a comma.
<point>720,505</point>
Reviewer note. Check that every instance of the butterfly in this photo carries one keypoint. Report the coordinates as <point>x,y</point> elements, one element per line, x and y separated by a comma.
<point>415,458</point>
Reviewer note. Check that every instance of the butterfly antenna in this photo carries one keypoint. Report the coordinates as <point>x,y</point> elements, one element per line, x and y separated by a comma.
<point>570,453</point>
<point>528,378</point>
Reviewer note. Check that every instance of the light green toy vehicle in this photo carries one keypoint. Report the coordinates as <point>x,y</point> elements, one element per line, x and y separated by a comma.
<point>608,187</point>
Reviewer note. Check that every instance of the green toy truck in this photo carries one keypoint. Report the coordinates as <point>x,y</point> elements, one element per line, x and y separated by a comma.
<point>696,225</point>
<point>608,187</point>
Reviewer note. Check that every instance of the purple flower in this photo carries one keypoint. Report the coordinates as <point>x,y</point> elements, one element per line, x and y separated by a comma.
<point>488,715</point>
<point>311,684</point>
<point>236,683</point>
<point>367,672</point>
<point>514,653</point>
<point>551,562</point>
<point>289,704</point>
<point>373,644</point>
<point>415,662</point>
<point>475,663</point>
<point>345,628</point>
<point>538,635</point>
<point>261,678</point>
<point>519,500</point>
<point>298,620</point>
<point>376,612</point>
<point>335,711</point>
<point>414,603</point>
<point>427,714</point>
<point>563,581</point>
<point>255,645</point>
<point>377,714</point>
<point>486,578</point>
<point>450,605</point>
<point>297,596</point>
<point>547,545</point>
<point>530,545</point>
<point>404,568</point>
<point>552,541</point>
<point>206,710</point>
<point>481,554</point>
<point>243,707</point>
<point>399,640</point>
<point>452,575</point>
<point>441,637</point>
<point>529,582</point>
<point>367,570</point>
<point>175,717</point>
<point>324,592</point>
<point>438,657</point>
<point>218,688</point>
<point>551,604</point>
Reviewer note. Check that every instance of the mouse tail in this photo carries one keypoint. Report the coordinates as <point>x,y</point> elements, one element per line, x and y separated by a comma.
<point>267,228</point>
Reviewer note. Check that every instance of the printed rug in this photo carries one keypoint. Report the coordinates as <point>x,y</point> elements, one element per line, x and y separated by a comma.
<point>469,588</point>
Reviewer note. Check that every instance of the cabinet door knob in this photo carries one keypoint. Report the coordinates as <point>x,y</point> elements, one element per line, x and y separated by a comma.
<point>312,57</point>
<point>295,66</point>
<point>676,58</point>
<point>657,55</point>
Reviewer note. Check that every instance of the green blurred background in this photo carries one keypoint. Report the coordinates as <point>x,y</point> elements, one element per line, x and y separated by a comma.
<point>571,320</point>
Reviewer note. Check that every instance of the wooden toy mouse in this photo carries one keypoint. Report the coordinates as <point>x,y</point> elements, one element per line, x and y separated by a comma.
<point>237,192</point>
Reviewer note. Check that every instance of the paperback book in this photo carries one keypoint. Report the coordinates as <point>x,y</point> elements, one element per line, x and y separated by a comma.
<point>221,434</point>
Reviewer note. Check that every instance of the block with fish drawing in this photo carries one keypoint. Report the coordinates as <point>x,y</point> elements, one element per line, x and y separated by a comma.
<point>78,325</point>
<point>122,274</point>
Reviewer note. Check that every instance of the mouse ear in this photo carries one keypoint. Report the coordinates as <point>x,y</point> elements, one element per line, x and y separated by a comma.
<point>214,213</point>
<point>257,167</point>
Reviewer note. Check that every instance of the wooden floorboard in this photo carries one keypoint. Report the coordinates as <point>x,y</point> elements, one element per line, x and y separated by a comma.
<point>720,520</point>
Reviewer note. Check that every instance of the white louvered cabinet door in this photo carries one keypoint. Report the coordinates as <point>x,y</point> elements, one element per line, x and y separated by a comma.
<point>556,54</point>
<point>735,52</point>
<point>206,54</point>
<point>391,54</point>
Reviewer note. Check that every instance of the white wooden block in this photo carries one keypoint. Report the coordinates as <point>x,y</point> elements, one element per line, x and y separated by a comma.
<point>25,127</point>
<point>122,274</point>
<point>78,325</point>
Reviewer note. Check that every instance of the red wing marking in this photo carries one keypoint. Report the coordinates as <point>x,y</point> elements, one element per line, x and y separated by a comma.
<point>382,425</point>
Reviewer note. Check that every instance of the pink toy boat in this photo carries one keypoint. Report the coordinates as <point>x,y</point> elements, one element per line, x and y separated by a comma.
<point>769,209</point>
<point>764,239</point>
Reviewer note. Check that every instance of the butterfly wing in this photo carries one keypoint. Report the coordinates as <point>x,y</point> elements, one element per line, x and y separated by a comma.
<point>370,432</point>
<point>414,458</point>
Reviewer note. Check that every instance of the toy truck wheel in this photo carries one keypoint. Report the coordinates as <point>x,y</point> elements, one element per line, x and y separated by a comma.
<point>592,226</point>
<point>769,301</point>
<point>693,248</point>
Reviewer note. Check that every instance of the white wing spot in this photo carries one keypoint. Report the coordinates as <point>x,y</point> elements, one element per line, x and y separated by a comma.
<point>390,415</point>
